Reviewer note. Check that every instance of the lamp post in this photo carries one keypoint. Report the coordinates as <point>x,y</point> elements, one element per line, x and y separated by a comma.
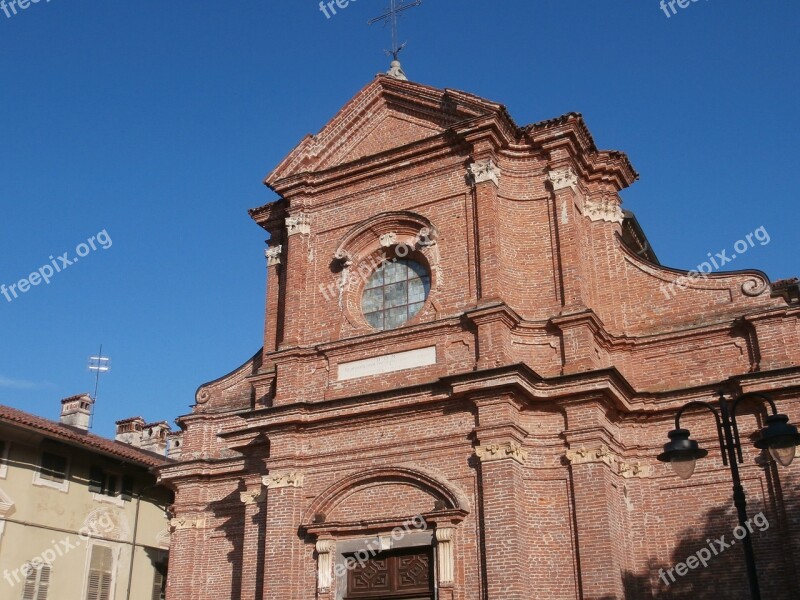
<point>778,436</point>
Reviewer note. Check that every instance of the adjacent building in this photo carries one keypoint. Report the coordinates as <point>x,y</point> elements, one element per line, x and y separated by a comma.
<point>472,357</point>
<point>81,516</point>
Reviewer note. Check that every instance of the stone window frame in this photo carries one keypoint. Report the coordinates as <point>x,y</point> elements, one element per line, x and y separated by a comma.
<point>362,249</point>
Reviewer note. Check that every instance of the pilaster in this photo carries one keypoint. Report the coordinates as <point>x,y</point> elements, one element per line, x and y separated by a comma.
<point>252,579</point>
<point>484,175</point>
<point>564,181</point>
<point>500,460</point>
<point>594,497</point>
<point>284,552</point>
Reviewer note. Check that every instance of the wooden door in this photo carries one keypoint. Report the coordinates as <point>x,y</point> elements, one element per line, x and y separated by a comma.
<point>396,575</point>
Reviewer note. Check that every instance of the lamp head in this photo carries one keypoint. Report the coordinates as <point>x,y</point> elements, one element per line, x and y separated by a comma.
<point>780,438</point>
<point>682,453</point>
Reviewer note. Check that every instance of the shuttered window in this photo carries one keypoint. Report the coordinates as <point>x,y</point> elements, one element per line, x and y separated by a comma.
<point>54,467</point>
<point>127,487</point>
<point>101,568</point>
<point>159,582</point>
<point>108,484</point>
<point>160,576</point>
<point>97,479</point>
<point>37,583</point>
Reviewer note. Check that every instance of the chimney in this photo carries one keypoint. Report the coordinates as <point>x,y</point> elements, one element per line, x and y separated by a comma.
<point>129,431</point>
<point>175,444</point>
<point>76,411</point>
<point>154,437</point>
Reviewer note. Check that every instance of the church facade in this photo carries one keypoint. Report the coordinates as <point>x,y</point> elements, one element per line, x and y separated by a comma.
<point>469,367</point>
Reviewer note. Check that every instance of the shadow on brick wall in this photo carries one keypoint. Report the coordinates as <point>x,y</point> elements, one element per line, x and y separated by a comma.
<point>776,549</point>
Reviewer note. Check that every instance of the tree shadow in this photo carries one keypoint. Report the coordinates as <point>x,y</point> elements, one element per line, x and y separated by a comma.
<point>775,542</point>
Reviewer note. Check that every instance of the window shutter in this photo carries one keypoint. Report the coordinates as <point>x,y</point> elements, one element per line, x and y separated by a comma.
<point>127,487</point>
<point>54,467</point>
<point>111,485</point>
<point>29,593</point>
<point>44,582</point>
<point>105,587</point>
<point>93,589</point>
<point>96,477</point>
<point>160,577</point>
<point>101,566</point>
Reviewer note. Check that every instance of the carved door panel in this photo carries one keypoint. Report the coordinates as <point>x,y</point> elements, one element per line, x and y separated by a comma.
<point>399,575</point>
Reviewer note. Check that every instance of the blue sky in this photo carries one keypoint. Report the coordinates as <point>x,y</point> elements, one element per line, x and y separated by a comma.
<point>157,121</point>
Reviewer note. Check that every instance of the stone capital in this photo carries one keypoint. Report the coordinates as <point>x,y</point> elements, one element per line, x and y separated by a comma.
<point>282,480</point>
<point>563,178</point>
<point>605,209</point>
<point>253,496</point>
<point>602,454</point>
<point>273,255</point>
<point>510,450</point>
<point>179,523</point>
<point>298,224</point>
<point>484,170</point>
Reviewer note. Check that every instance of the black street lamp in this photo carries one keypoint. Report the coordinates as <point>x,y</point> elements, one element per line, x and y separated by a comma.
<point>779,437</point>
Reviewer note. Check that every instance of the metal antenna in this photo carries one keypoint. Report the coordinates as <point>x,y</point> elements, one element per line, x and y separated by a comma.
<point>99,364</point>
<point>390,16</point>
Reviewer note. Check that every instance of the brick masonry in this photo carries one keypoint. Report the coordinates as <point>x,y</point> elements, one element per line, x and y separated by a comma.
<point>531,442</point>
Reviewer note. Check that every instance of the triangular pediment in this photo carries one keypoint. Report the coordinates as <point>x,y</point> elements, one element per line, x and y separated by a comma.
<point>406,130</point>
<point>367,125</point>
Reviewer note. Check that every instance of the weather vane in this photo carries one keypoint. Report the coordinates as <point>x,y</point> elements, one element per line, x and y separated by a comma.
<point>390,16</point>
